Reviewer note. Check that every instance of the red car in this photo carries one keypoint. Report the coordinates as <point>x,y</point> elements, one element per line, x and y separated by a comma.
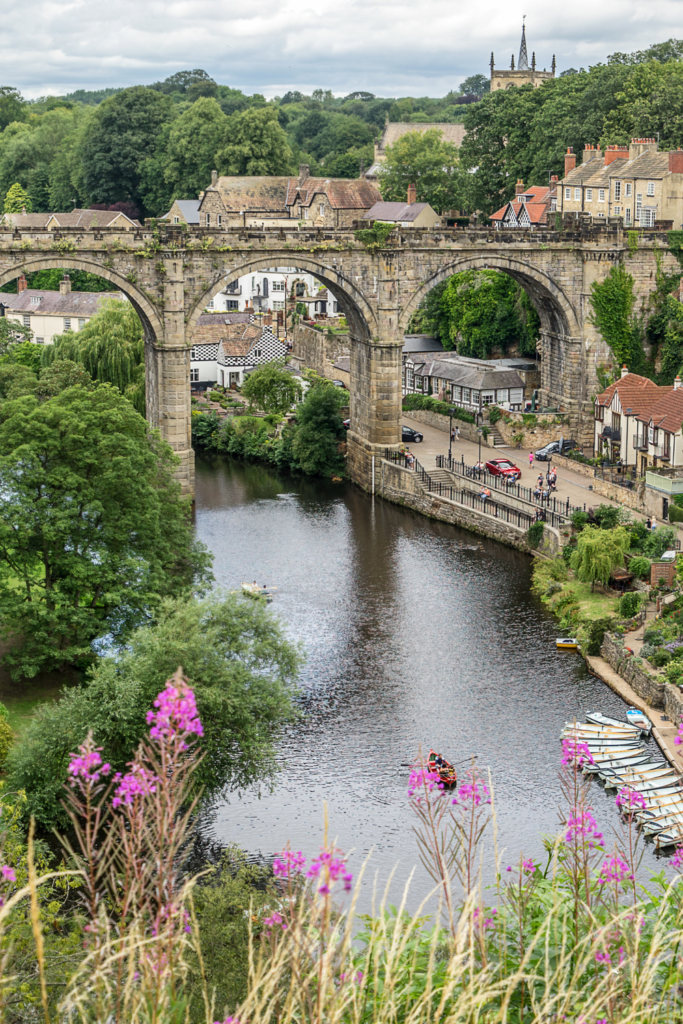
<point>503,467</point>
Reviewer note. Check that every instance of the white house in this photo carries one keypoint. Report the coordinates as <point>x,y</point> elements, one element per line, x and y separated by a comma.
<point>226,346</point>
<point>273,290</point>
<point>49,313</point>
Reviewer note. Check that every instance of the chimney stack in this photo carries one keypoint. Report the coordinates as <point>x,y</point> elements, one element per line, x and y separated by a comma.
<point>214,178</point>
<point>677,383</point>
<point>519,187</point>
<point>65,285</point>
<point>22,283</point>
<point>613,153</point>
<point>569,160</point>
<point>304,171</point>
<point>676,161</point>
<point>412,195</point>
<point>624,370</point>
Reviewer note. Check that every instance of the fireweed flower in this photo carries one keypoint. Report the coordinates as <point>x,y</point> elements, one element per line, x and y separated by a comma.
<point>423,779</point>
<point>629,799</point>
<point>576,753</point>
<point>176,713</point>
<point>87,765</point>
<point>679,738</point>
<point>472,794</point>
<point>603,958</point>
<point>482,922</point>
<point>528,867</point>
<point>8,873</point>
<point>139,781</point>
<point>288,863</point>
<point>582,827</point>
<point>676,861</point>
<point>270,922</point>
<point>333,868</point>
<point>614,869</point>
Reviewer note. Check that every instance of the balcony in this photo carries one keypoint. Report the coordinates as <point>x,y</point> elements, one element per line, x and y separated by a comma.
<point>640,444</point>
<point>611,434</point>
<point>660,452</point>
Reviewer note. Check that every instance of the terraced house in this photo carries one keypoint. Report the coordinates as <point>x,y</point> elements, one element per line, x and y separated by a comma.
<point>637,183</point>
<point>639,423</point>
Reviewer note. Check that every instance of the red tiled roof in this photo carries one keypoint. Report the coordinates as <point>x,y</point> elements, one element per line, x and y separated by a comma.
<point>635,392</point>
<point>666,412</point>
<point>341,193</point>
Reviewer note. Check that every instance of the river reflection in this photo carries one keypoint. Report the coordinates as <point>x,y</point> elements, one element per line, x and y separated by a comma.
<point>411,640</point>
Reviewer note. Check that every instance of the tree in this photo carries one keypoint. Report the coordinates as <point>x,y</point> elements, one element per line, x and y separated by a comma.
<point>423,159</point>
<point>319,432</point>
<point>598,553</point>
<point>256,144</point>
<point>240,665</point>
<point>12,106</point>
<point>17,200</point>
<point>484,311</point>
<point>475,85</point>
<point>182,80</point>
<point>12,333</point>
<point>123,134</point>
<point>272,388</point>
<point>93,529</point>
<point>193,142</point>
<point>111,347</point>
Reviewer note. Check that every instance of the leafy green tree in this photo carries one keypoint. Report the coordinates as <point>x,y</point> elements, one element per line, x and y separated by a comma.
<point>193,142</point>
<point>272,388</point>
<point>612,303</point>
<point>12,333</point>
<point>111,347</point>
<point>423,159</point>
<point>242,670</point>
<point>120,137</point>
<point>598,552</point>
<point>12,106</point>
<point>182,81</point>
<point>17,199</point>
<point>475,85</point>
<point>93,529</point>
<point>17,380</point>
<point>255,144</point>
<point>650,106</point>
<point>319,433</point>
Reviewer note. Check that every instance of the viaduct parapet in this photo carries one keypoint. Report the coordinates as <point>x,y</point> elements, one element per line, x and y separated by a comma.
<point>169,275</point>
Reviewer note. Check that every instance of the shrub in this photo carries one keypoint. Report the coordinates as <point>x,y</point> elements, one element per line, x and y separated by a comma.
<point>640,567</point>
<point>6,736</point>
<point>659,541</point>
<point>674,672</point>
<point>607,517</point>
<point>675,514</point>
<point>434,405</point>
<point>494,414</point>
<point>653,637</point>
<point>579,519</point>
<point>534,535</point>
<point>629,604</point>
<point>596,634</point>
<point>553,588</point>
<point>529,419</point>
<point>558,569</point>
<point>661,658</point>
<point>215,396</point>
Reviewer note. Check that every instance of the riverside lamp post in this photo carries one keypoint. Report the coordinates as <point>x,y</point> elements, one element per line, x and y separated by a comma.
<point>451,414</point>
<point>480,419</point>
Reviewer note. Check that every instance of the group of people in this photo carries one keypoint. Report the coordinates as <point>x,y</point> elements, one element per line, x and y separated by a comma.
<point>484,493</point>
<point>651,523</point>
<point>544,488</point>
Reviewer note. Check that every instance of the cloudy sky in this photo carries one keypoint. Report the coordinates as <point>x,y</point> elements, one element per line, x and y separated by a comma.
<point>270,46</point>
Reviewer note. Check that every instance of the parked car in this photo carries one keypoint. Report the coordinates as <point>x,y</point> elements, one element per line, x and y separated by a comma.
<point>545,454</point>
<point>408,434</point>
<point>503,467</point>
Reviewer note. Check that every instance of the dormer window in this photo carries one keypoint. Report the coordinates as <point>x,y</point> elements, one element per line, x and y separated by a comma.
<point>35,299</point>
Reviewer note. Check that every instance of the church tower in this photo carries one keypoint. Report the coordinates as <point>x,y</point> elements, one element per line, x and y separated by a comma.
<point>523,74</point>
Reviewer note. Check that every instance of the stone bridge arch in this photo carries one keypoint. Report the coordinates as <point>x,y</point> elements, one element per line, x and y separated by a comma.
<point>359,312</point>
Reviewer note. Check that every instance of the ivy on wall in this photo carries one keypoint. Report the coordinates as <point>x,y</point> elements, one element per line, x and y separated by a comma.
<point>613,303</point>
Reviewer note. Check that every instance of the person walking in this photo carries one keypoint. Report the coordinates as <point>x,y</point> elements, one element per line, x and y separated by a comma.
<point>452,434</point>
<point>654,524</point>
<point>531,459</point>
<point>457,432</point>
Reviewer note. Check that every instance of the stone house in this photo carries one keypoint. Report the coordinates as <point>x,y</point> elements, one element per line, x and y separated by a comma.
<point>468,383</point>
<point>394,130</point>
<point>637,183</point>
<point>405,215</point>
<point>277,201</point>
<point>86,219</point>
<point>49,313</point>
<point>184,211</point>
<point>225,348</point>
<point>529,208</point>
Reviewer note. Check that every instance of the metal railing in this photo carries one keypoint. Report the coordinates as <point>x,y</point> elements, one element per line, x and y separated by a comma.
<point>622,476</point>
<point>563,509</point>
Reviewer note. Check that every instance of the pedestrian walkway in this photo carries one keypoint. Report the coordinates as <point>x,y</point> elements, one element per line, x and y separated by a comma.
<point>569,485</point>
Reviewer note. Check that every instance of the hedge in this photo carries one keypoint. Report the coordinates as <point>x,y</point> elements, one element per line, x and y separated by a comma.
<point>434,405</point>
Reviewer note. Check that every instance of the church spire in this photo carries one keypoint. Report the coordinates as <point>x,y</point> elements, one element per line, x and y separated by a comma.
<point>523,62</point>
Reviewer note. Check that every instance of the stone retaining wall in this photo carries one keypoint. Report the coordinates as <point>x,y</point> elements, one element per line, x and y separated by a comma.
<point>535,436</point>
<point>468,431</point>
<point>648,687</point>
<point>400,485</point>
<point>315,350</point>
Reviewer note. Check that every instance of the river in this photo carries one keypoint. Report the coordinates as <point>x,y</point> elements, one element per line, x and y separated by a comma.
<point>412,640</point>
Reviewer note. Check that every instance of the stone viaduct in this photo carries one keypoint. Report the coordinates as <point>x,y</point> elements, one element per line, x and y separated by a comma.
<point>170,274</point>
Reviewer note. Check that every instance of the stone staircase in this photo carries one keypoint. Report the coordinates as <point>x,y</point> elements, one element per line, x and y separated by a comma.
<point>498,439</point>
<point>442,476</point>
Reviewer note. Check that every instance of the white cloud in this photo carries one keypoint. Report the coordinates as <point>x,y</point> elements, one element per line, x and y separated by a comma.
<point>265,46</point>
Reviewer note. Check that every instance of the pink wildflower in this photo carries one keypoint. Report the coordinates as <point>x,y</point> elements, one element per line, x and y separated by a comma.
<point>614,869</point>
<point>270,922</point>
<point>528,867</point>
<point>603,958</point>
<point>87,765</point>
<point>288,863</point>
<point>482,922</point>
<point>576,753</point>
<point>628,799</point>
<point>333,867</point>
<point>472,794</point>
<point>676,861</point>
<point>582,827</point>
<point>176,714</point>
<point>423,779</point>
<point>139,781</point>
<point>8,873</point>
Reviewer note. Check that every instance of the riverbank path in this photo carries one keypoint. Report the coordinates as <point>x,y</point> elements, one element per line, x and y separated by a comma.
<point>569,485</point>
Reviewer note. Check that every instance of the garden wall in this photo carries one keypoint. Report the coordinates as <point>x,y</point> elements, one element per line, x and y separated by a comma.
<point>535,435</point>
<point>646,686</point>
<point>468,431</point>
<point>316,350</point>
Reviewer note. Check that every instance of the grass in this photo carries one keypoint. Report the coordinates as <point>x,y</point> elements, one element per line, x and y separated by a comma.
<point>591,605</point>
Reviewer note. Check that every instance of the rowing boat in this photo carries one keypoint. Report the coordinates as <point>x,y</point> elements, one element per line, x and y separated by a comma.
<point>567,643</point>
<point>447,773</point>
<point>596,718</point>
<point>639,720</point>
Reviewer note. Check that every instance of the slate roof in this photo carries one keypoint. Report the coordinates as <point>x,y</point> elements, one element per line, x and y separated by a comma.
<point>343,364</point>
<point>189,209</point>
<point>82,304</point>
<point>76,219</point>
<point>396,212</point>
<point>250,194</point>
<point>236,338</point>
<point>224,318</point>
<point>481,378</point>
<point>420,343</point>
<point>393,130</point>
<point>594,174</point>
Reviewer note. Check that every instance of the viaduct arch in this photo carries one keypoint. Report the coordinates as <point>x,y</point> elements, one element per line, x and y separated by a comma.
<point>169,275</point>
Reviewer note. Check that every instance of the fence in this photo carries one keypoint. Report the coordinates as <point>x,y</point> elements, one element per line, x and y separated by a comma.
<point>622,477</point>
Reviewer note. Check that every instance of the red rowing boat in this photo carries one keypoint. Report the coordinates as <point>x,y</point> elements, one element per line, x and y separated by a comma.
<point>446,772</point>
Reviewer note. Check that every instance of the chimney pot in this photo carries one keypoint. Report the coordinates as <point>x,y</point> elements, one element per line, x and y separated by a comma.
<point>214,177</point>
<point>412,195</point>
<point>304,171</point>
<point>624,370</point>
<point>65,285</point>
<point>677,383</point>
<point>519,187</point>
<point>22,283</point>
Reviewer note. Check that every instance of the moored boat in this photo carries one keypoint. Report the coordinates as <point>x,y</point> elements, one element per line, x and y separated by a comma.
<point>567,643</point>
<point>639,719</point>
<point>447,772</point>
<point>596,718</point>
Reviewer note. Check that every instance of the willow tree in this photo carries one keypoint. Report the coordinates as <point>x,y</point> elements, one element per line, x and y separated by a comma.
<point>111,347</point>
<point>598,553</point>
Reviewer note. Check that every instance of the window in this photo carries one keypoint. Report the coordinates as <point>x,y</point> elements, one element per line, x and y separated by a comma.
<point>322,209</point>
<point>209,304</point>
<point>650,188</point>
<point>67,323</point>
<point>27,321</point>
<point>601,195</point>
<point>305,213</point>
<point>466,395</point>
<point>617,211</point>
<point>456,393</point>
<point>208,219</point>
<point>502,395</point>
<point>219,220</point>
<point>617,190</point>
<point>475,398</point>
<point>629,189</point>
<point>81,323</point>
<point>589,195</point>
<point>257,353</point>
<point>599,412</point>
<point>176,220</point>
<point>516,396</point>
<point>194,375</point>
<point>35,300</point>
<point>232,304</point>
<point>300,289</point>
<point>40,341</point>
<point>577,195</point>
<point>418,382</point>
<point>409,377</point>
<point>647,216</point>
<point>278,304</point>
<point>567,193</point>
<point>278,286</point>
<point>487,398</point>
<point>193,353</point>
<point>639,203</point>
<point>627,215</point>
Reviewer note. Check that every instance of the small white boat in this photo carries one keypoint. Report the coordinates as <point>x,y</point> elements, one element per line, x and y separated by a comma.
<point>639,719</point>
<point>609,765</point>
<point>596,718</point>
<point>254,590</point>
<point>567,643</point>
<point>602,729</point>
